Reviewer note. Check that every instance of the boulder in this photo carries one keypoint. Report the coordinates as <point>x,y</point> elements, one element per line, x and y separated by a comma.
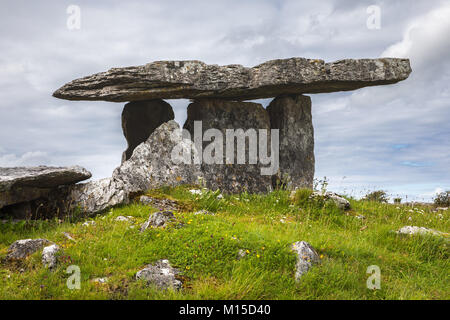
<point>150,166</point>
<point>195,79</point>
<point>306,257</point>
<point>140,119</point>
<point>292,116</point>
<point>161,274</point>
<point>21,249</point>
<point>96,196</point>
<point>222,115</point>
<point>23,184</point>
<point>50,256</point>
<point>158,219</point>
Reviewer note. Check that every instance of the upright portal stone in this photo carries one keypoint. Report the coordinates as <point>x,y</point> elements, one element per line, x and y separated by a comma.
<point>292,116</point>
<point>222,115</point>
<point>140,119</point>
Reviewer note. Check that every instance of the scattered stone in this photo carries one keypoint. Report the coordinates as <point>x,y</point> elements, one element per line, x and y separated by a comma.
<point>122,218</point>
<point>413,230</point>
<point>21,249</point>
<point>292,116</point>
<point>140,119</point>
<point>158,219</point>
<point>241,254</point>
<point>195,79</point>
<point>68,236</point>
<point>306,257</point>
<point>222,115</point>
<point>100,280</point>
<point>50,256</point>
<point>23,184</point>
<point>442,208</point>
<point>195,191</point>
<point>161,274</point>
<point>360,217</point>
<point>160,204</point>
<point>340,202</point>
<point>204,212</point>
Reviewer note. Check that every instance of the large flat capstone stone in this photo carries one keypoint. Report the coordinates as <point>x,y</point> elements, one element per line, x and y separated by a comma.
<point>22,184</point>
<point>196,79</point>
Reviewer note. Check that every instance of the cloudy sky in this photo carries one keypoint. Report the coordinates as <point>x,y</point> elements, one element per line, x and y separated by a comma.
<point>395,138</point>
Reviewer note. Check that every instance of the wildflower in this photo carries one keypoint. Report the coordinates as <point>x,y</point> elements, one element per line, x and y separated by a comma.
<point>257,255</point>
<point>321,256</point>
<point>247,251</point>
<point>263,248</point>
<point>187,267</point>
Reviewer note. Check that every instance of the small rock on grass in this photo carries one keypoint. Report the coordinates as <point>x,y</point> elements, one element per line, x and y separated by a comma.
<point>100,280</point>
<point>340,202</point>
<point>158,219</point>
<point>50,256</point>
<point>205,212</point>
<point>412,230</point>
<point>21,249</point>
<point>122,218</point>
<point>306,257</point>
<point>161,274</point>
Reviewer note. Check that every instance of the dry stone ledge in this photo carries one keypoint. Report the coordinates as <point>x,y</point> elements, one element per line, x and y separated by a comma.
<point>140,119</point>
<point>196,79</point>
<point>23,184</point>
<point>222,115</point>
<point>292,116</point>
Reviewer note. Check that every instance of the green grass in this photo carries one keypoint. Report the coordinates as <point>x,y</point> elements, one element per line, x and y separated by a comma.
<point>206,248</point>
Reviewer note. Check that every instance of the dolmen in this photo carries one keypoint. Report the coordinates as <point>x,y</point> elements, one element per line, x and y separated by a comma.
<point>227,142</point>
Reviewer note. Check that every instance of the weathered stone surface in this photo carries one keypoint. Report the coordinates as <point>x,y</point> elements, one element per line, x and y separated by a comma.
<point>151,166</point>
<point>195,79</point>
<point>414,230</point>
<point>97,195</point>
<point>50,256</point>
<point>306,257</point>
<point>161,274</point>
<point>22,184</point>
<point>292,116</point>
<point>339,201</point>
<point>21,249</point>
<point>160,204</point>
<point>140,119</point>
<point>222,115</point>
<point>158,219</point>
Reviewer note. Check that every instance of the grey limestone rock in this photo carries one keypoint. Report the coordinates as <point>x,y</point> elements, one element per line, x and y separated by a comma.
<point>195,79</point>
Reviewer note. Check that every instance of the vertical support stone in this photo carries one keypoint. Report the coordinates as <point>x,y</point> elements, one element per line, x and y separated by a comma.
<point>223,114</point>
<point>140,119</point>
<point>291,114</point>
